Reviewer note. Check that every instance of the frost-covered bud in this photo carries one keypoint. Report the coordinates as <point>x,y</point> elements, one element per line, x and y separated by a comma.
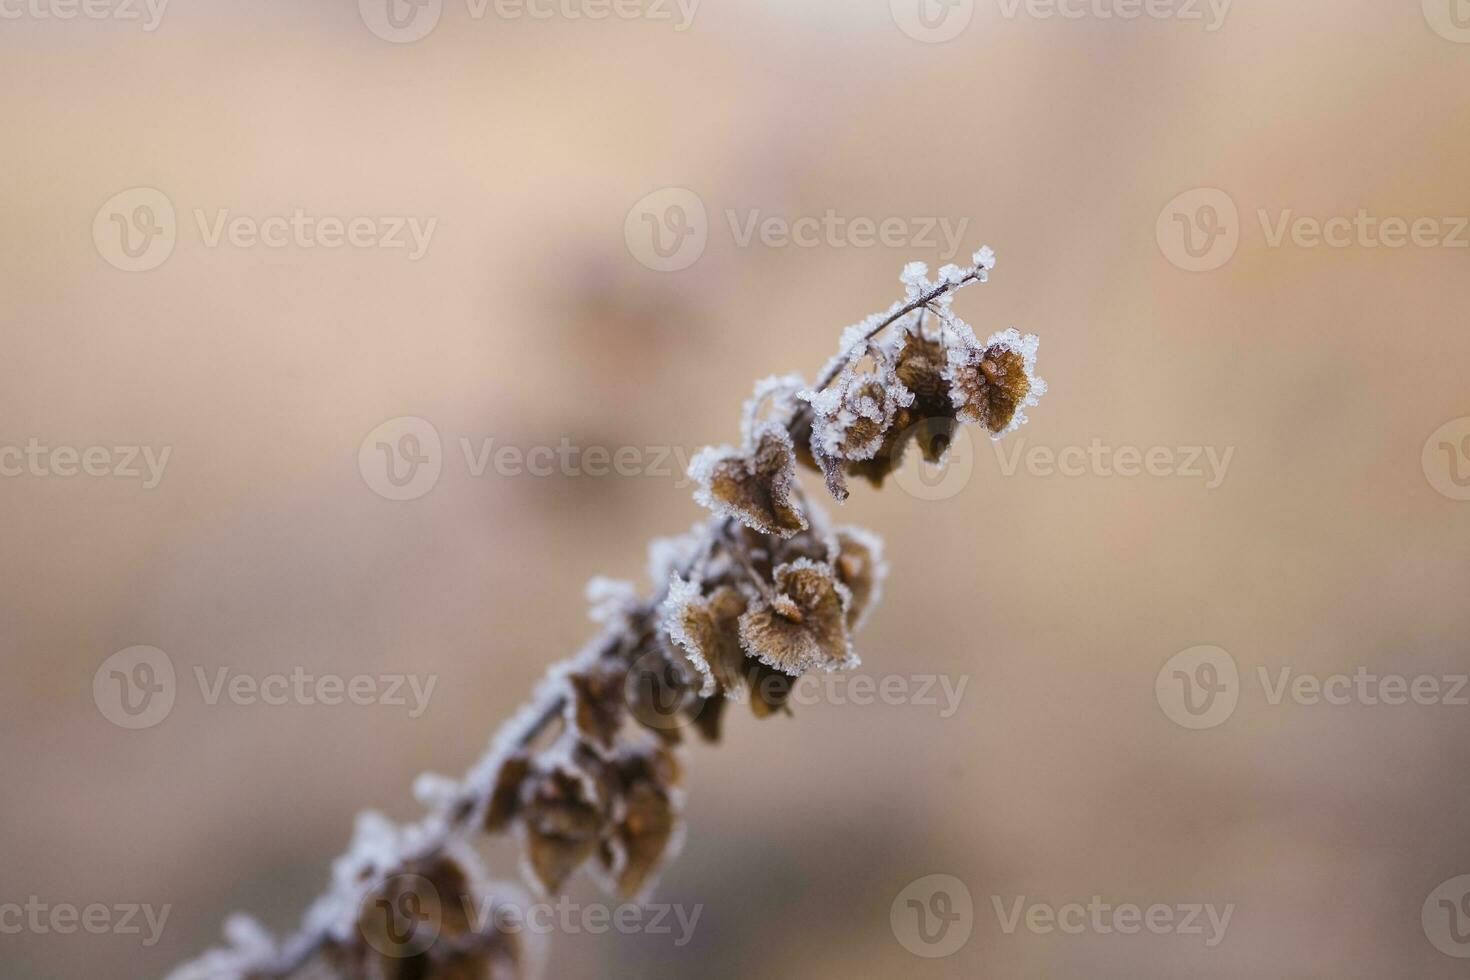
<point>991,384</point>
<point>597,705</point>
<point>804,625</point>
<point>565,805</point>
<point>755,485</point>
<point>647,833</point>
<point>860,567</point>
<point>915,278</point>
<point>707,629</point>
<point>851,416</point>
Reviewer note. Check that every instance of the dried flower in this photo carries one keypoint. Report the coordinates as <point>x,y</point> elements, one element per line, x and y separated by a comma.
<point>745,603</point>
<point>990,384</point>
<point>803,626</point>
<point>754,485</point>
<point>707,628</point>
<point>646,831</point>
<point>565,807</point>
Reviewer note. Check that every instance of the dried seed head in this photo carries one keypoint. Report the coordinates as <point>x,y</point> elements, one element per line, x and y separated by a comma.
<point>991,384</point>
<point>707,629</point>
<point>564,808</point>
<point>860,567</point>
<point>597,707</point>
<point>756,485</point>
<point>818,638</point>
<point>851,416</point>
<point>645,835</point>
<point>505,795</point>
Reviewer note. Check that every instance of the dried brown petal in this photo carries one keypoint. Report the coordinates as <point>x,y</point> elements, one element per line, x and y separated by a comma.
<point>805,626</point>
<point>990,384</point>
<point>505,796</point>
<point>659,688</point>
<point>770,689</point>
<point>420,923</point>
<point>597,706</point>
<point>852,414</point>
<point>860,567</point>
<point>707,714</point>
<point>565,809</point>
<point>707,628</point>
<point>755,486</point>
<point>641,841</point>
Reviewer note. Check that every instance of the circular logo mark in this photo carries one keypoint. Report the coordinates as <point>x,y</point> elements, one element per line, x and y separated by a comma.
<point>1446,917</point>
<point>935,481</point>
<point>1199,230</point>
<point>933,917</point>
<point>1446,459</point>
<point>1198,687</point>
<point>932,21</point>
<point>1449,18</point>
<point>667,230</point>
<point>655,692</point>
<point>401,917</point>
<point>400,21</point>
<point>136,229</point>
<point>402,458</point>
<point>135,688</point>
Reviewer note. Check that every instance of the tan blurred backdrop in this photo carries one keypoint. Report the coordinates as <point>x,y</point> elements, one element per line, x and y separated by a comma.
<point>1332,542</point>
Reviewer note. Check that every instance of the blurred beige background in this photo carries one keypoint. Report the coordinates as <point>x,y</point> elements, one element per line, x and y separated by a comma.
<point>1325,548</point>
